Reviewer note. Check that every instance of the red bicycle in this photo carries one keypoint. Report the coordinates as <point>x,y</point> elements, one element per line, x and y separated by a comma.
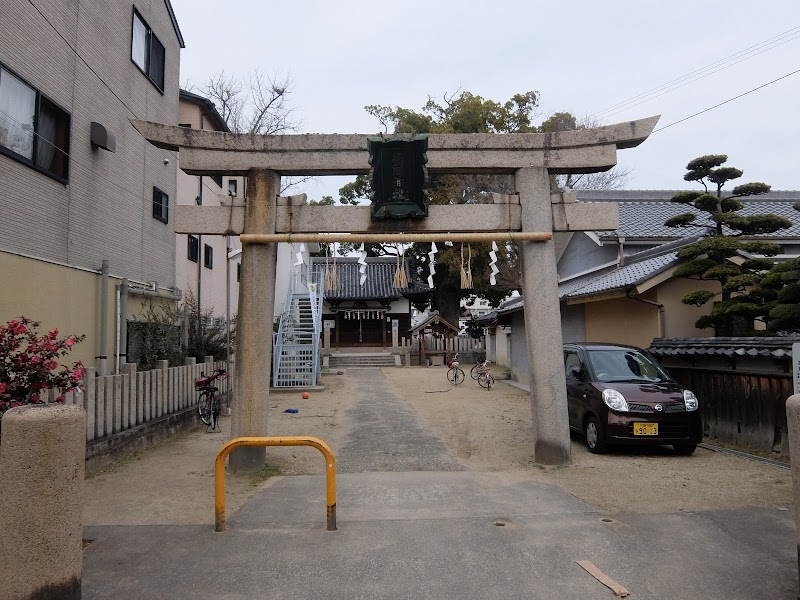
<point>208,400</point>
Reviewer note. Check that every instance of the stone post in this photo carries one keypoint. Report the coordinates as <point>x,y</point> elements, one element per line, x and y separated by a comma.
<point>41,468</point>
<point>326,339</point>
<point>793,424</point>
<point>254,322</point>
<point>551,443</point>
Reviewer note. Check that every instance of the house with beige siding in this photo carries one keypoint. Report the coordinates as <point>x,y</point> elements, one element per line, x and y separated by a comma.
<point>81,188</point>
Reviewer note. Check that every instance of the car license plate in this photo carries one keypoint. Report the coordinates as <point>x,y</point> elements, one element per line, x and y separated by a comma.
<point>645,429</point>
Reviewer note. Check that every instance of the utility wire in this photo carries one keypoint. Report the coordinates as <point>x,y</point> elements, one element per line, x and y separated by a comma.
<point>728,100</point>
<point>701,73</point>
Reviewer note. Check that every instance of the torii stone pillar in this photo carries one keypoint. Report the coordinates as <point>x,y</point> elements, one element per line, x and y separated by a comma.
<point>551,442</point>
<point>254,322</point>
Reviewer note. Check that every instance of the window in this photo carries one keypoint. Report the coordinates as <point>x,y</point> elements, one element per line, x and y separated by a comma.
<point>193,249</point>
<point>147,52</point>
<point>160,205</point>
<point>217,179</point>
<point>232,187</point>
<point>33,129</point>
<point>208,256</point>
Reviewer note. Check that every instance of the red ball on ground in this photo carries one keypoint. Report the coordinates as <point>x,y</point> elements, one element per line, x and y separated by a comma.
<point>306,395</point>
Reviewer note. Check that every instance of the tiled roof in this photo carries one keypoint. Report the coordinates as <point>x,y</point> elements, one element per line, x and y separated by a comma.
<point>631,274</point>
<point>642,213</point>
<point>379,283</point>
<point>774,347</point>
<point>434,317</point>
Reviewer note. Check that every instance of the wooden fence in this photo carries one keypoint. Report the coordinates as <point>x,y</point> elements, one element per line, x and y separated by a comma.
<point>468,348</point>
<point>117,403</point>
<point>451,345</point>
<point>746,409</point>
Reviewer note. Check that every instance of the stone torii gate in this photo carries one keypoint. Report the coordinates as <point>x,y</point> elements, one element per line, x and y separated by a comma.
<point>532,214</point>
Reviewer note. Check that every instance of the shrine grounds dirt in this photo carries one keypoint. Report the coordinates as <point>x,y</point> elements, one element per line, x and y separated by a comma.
<point>484,430</point>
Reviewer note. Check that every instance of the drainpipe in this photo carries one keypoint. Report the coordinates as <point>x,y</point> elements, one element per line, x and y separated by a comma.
<point>102,354</point>
<point>200,252</point>
<point>621,253</point>
<point>117,329</point>
<point>662,325</point>
<point>123,314</point>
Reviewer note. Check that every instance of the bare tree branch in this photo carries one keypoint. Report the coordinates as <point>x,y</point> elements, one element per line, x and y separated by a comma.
<point>257,105</point>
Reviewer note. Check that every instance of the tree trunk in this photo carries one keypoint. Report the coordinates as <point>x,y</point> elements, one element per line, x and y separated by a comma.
<point>446,299</point>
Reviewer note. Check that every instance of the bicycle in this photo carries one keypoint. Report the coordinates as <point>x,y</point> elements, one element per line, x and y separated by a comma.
<point>481,367</point>
<point>485,378</point>
<point>208,400</point>
<point>454,374</point>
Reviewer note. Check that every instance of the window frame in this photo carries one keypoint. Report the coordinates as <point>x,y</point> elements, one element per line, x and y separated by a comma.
<point>148,58</point>
<point>163,214</point>
<point>193,249</point>
<point>208,256</point>
<point>32,162</point>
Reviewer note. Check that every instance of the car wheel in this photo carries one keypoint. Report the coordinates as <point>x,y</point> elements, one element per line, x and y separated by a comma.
<point>684,449</point>
<point>595,436</point>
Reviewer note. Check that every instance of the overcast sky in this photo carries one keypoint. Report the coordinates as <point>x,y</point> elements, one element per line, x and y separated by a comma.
<point>582,56</point>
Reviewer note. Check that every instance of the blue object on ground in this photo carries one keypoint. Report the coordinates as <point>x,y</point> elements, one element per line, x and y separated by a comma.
<point>292,410</point>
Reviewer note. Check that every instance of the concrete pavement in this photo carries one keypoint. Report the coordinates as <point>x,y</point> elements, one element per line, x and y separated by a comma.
<point>413,524</point>
<point>454,535</point>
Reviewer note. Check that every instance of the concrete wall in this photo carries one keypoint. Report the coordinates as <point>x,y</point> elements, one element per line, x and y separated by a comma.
<point>622,321</point>
<point>502,346</point>
<point>680,318</point>
<point>520,369</point>
<point>63,298</point>
<point>573,323</point>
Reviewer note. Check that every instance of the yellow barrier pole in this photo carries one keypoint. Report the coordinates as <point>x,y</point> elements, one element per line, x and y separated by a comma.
<point>294,440</point>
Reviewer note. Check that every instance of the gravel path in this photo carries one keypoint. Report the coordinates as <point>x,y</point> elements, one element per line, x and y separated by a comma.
<point>386,433</point>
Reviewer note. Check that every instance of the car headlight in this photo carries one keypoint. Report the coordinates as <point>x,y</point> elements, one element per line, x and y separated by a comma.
<point>690,400</point>
<point>614,400</point>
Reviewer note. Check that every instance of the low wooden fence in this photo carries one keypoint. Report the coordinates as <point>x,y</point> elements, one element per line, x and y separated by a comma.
<point>467,348</point>
<point>742,408</point>
<point>117,403</point>
<point>451,345</point>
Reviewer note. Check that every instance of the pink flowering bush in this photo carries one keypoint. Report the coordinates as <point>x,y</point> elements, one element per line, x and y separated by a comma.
<point>29,364</point>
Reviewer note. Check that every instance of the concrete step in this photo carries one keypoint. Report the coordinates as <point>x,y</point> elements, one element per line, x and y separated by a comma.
<point>361,360</point>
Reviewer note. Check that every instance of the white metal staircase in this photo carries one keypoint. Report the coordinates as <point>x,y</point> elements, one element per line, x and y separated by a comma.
<point>295,359</point>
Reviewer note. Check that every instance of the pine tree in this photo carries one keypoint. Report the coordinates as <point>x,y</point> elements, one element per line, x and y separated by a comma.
<point>716,258</point>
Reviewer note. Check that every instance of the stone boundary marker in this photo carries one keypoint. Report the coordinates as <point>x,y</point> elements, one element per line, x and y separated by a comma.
<point>42,453</point>
<point>793,424</point>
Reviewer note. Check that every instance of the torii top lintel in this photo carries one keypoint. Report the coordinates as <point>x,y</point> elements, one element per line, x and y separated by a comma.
<point>579,151</point>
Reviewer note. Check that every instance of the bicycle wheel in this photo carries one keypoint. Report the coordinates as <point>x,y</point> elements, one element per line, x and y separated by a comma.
<point>474,372</point>
<point>455,376</point>
<point>486,380</point>
<point>204,407</point>
<point>214,411</point>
